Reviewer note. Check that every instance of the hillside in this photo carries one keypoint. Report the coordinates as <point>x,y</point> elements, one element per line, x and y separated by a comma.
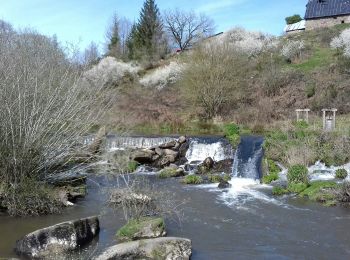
<point>261,79</point>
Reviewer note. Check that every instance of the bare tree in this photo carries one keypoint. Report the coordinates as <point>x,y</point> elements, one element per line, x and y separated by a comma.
<point>187,28</point>
<point>91,54</point>
<point>125,27</point>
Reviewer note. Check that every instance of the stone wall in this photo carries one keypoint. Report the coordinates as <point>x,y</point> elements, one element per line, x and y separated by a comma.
<point>326,22</point>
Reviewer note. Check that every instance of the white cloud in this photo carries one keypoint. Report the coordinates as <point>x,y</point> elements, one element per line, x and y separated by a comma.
<point>217,5</point>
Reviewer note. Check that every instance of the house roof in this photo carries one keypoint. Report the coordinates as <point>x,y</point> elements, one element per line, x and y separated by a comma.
<point>326,8</point>
<point>295,26</point>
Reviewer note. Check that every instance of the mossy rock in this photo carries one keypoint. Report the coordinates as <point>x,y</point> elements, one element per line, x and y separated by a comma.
<point>192,179</point>
<point>170,172</point>
<point>142,228</point>
<point>321,191</point>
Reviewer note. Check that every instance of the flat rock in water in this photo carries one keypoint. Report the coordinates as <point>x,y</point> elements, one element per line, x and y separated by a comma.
<point>58,239</point>
<point>169,248</point>
<point>66,178</point>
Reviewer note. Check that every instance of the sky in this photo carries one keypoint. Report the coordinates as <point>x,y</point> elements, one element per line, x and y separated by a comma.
<point>81,21</point>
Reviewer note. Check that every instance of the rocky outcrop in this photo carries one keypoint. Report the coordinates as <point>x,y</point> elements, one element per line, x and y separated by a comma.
<point>169,248</point>
<point>163,155</point>
<point>58,239</point>
<point>142,229</point>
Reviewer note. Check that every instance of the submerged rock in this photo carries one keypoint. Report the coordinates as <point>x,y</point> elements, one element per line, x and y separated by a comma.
<point>170,248</point>
<point>141,229</point>
<point>224,184</point>
<point>58,239</point>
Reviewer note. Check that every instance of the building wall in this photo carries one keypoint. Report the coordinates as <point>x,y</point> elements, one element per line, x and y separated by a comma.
<point>326,22</point>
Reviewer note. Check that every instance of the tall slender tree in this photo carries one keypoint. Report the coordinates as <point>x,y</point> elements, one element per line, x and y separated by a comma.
<point>150,35</point>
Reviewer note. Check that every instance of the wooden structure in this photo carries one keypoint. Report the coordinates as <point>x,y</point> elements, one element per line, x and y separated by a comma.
<point>328,119</point>
<point>303,115</point>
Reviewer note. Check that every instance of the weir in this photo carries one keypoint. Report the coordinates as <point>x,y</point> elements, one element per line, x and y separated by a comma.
<point>248,158</point>
<point>216,147</point>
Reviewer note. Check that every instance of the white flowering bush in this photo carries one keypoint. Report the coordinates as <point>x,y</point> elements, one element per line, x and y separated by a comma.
<point>251,43</point>
<point>163,76</point>
<point>292,49</point>
<point>342,42</point>
<point>109,70</point>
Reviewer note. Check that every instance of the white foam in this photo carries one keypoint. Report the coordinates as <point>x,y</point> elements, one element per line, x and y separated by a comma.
<point>200,151</point>
<point>244,190</point>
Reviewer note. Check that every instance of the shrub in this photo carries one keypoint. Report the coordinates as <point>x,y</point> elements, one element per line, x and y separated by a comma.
<point>342,43</point>
<point>278,191</point>
<point>267,179</point>
<point>193,179</point>
<point>232,133</point>
<point>214,178</point>
<point>310,90</point>
<point>46,109</point>
<point>249,42</point>
<point>292,50</point>
<point>227,177</point>
<point>163,76</point>
<point>132,166</point>
<point>169,172</point>
<point>341,174</point>
<point>297,174</point>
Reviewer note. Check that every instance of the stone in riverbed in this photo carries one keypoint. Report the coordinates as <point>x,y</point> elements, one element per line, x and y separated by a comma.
<point>168,145</point>
<point>143,156</point>
<point>169,248</point>
<point>58,239</point>
<point>224,184</point>
<point>141,229</point>
<point>182,139</point>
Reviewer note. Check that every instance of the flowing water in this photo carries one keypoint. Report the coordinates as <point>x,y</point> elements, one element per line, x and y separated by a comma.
<point>242,222</point>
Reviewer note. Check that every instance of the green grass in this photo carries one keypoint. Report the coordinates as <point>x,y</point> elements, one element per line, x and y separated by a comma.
<point>273,171</point>
<point>279,191</point>
<point>321,57</point>
<point>297,187</point>
<point>215,178</point>
<point>193,179</point>
<point>128,231</point>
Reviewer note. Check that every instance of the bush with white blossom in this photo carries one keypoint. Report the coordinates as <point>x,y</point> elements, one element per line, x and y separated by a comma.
<point>292,49</point>
<point>110,69</point>
<point>250,42</point>
<point>342,42</point>
<point>163,76</point>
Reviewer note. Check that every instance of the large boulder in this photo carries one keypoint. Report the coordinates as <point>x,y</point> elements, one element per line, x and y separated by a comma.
<point>58,239</point>
<point>169,248</point>
<point>143,156</point>
<point>141,229</point>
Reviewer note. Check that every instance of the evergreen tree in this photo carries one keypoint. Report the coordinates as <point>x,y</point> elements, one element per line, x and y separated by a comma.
<point>131,42</point>
<point>149,34</point>
<point>113,38</point>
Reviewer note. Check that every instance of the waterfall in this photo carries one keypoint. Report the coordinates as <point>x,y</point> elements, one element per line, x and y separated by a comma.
<point>248,158</point>
<point>200,148</point>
